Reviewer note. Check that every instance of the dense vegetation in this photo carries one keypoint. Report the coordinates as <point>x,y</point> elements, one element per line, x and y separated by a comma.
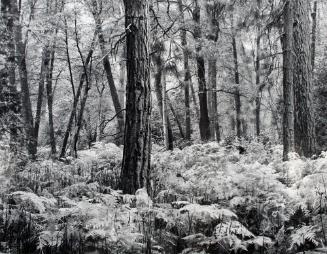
<point>163,126</point>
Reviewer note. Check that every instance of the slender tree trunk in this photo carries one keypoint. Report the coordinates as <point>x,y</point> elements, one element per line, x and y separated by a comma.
<point>237,96</point>
<point>304,126</point>
<point>75,102</point>
<point>178,122</point>
<point>111,82</point>
<point>50,100</point>
<point>169,144</point>
<point>159,85</point>
<point>204,123</point>
<point>135,172</point>
<point>43,73</point>
<point>212,70</point>
<point>288,93</point>
<point>187,75</point>
<point>257,72</point>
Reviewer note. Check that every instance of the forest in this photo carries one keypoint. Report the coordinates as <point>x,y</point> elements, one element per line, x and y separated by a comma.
<point>163,126</point>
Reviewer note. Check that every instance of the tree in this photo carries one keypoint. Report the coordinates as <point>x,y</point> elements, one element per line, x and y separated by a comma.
<point>288,93</point>
<point>304,125</point>
<point>135,172</point>
<point>204,123</point>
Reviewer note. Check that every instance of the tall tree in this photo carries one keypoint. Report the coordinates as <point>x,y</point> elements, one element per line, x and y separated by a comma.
<point>10,105</point>
<point>187,73</point>
<point>288,93</point>
<point>304,126</point>
<point>204,123</point>
<point>135,172</point>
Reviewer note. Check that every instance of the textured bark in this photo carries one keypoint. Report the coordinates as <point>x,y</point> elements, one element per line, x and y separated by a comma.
<point>10,105</point>
<point>314,35</point>
<point>304,126</point>
<point>237,96</point>
<point>178,122</point>
<point>187,75</point>
<point>169,142</point>
<point>25,92</point>
<point>288,93</point>
<point>110,79</point>
<point>135,172</point>
<point>204,123</point>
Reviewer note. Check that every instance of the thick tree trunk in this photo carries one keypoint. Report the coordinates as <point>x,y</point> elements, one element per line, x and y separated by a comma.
<point>9,96</point>
<point>304,126</point>
<point>204,123</point>
<point>237,96</point>
<point>135,172</point>
<point>288,93</point>
<point>25,92</point>
<point>187,74</point>
<point>111,82</point>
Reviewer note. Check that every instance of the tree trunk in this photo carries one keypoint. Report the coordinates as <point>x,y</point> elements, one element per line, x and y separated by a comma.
<point>50,100</point>
<point>179,125</point>
<point>111,82</point>
<point>169,142</point>
<point>135,172</point>
<point>257,71</point>
<point>75,102</point>
<point>314,35</point>
<point>212,71</point>
<point>9,96</point>
<point>304,126</point>
<point>204,123</point>
<point>43,73</point>
<point>237,96</point>
<point>288,93</point>
<point>25,92</point>
<point>187,75</point>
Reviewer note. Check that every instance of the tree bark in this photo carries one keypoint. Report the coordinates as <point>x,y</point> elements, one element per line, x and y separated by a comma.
<point>304,125</point>
<point>169,142</point>
<point>204,123</point>
<point>187,74</point>
<point>25,91</point>
<point>257,72</point>
<point>288,92</point>
<point>135,172</point>
<point>9,95</point>
<point>314,35</point>
<point>178,122</point>
<point>237,96</point>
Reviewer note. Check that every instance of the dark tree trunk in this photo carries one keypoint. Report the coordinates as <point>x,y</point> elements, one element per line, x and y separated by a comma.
<point>135,172</point>
<point>178,122</point>
<point>304,126</point>
<point>9,96</point>
<point>204,123</point>
<point>43,73</point>
<point>257,72</point>
<point>237,96</point>
<point>288,93</point>
<point>187,75</point>
<point>25,91</point>
<point>50,101</point>
<point>75,103</point>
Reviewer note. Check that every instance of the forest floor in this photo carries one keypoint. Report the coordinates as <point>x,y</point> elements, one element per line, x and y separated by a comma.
<point>207,198</point>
